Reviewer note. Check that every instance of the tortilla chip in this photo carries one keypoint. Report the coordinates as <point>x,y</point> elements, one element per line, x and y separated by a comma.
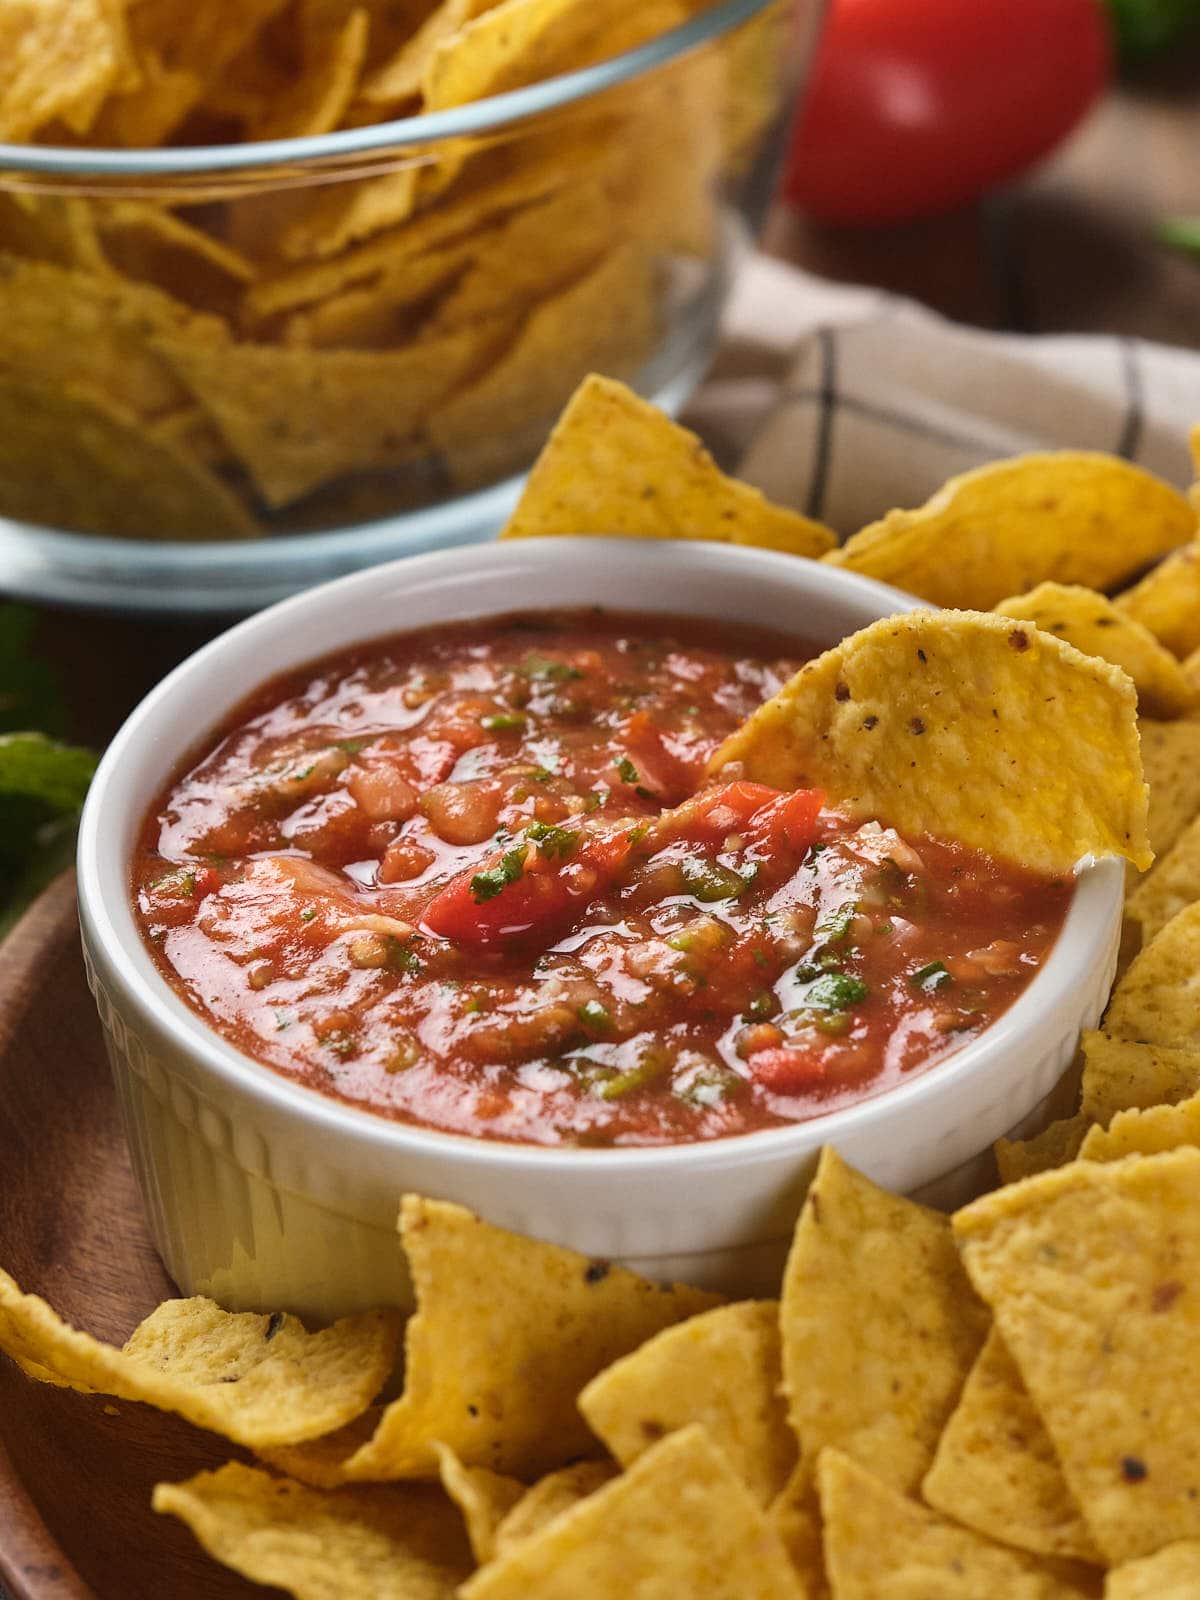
<point>532,254</point>
<point>1053,1147</point>
<point>495,187</point>
<point>393,1543</point>
<point>1171,763</point>
<point>190,431</point>
<point>506,1333</point>
<point>330,218</point>
<point>996,1470</point>
<point>1173,885</point>
<point>59,327</point>
<point>72,458</point>
<point>796,1517</point>
<point>965,726</point>
<point>616,465</point>
<point>1167,600</point>
<point>180,48</point>
<point>1172,1573</point>
<point>51,227</point>
<point>1120,1076</point>
<point>1158,999</point>
<point>609,320</point>
<point>1070,516</point>
<point>672,202</point>
<point>1148,1132</point>
<point>401,76</point>
<point>549,1498</point>
<point>484,1497</point>
<point>146,240</point>
<point>380,315</point>
<point>258,1380</point>
<point>1092,623</point>
<point>1091,1272</point>
<point>878,1543</point>
<point>722,1370</point>
<point>679,1522</point>
<point>316,101</point>
<point>58,59</point>
<point>296,418</point>
<point>879,1325</point>
<point>521,42</point>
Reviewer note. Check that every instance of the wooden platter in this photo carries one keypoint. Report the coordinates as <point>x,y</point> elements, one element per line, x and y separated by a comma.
<point>76,1471</point>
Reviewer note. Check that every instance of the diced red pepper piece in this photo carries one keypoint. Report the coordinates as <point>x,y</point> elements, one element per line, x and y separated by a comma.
<point>787,1069</point>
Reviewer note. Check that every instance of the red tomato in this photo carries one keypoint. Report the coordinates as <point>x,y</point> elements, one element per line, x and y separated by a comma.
<point>915,106</point>
<point>543,892</point>
<point>786,1069</point>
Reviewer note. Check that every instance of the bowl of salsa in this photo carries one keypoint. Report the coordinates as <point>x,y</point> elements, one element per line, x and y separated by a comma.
<point>428,880</point>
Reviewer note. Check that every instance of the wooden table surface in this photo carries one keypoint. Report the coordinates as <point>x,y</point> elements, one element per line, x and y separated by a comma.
<point>1071,248</point>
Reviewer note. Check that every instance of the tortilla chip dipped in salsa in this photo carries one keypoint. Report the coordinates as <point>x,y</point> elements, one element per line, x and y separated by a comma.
<point>965,725</point>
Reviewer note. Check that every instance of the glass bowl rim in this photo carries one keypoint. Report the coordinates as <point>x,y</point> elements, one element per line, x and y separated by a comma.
<point>476,117</point>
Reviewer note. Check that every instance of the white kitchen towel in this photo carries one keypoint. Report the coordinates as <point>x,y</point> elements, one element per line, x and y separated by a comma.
<point>844,402</point>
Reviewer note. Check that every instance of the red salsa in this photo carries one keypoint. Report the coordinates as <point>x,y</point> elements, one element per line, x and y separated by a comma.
<point>476,879</point>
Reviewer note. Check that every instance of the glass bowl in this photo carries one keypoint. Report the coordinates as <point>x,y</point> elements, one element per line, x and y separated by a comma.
<point>249,367</point>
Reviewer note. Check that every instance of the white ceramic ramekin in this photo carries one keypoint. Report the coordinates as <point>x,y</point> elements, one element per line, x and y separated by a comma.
<point>265,1194</point>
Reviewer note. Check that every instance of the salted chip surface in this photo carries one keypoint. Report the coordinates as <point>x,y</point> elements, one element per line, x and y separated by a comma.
<point>317,100</point>
<point>549,1498</point>
<point>484,1497</point>
<point>393,1542</point>
<point>878,1542</point>
<point>506,1333</point>
<point>615,464</point>
<point>1172,1573</point>
<point>1092,1275</point>
<point>679,1522</point>
<point>296,418</point>
<point>258,1380</point>
<point>721,1369</point>
<point>1167,600</point>
<point>1172,885</point>
<point>1146,1133</point>
<point>1158,999</point>
<point>1053,1147</point>
<point>1119,1076</point>
<point>68,327</point>
<point>966,726</point>
<point>1093,624</point>
<point>58,58</point>
<point>996,1469</point>
<point>1067,516</point>
<point>879,1325</point>
<point>1171,764</point>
